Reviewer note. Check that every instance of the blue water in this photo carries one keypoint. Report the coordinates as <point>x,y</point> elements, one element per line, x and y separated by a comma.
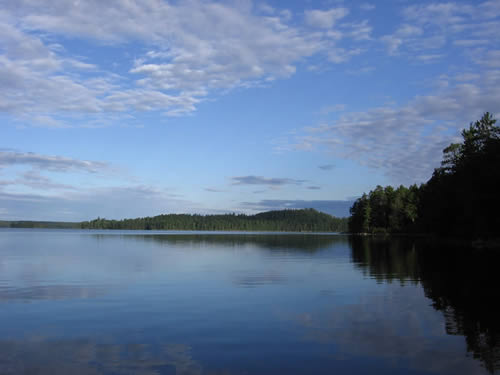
<point>129,302</point>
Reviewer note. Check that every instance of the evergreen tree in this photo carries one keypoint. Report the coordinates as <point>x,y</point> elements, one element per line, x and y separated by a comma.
<point>461,197</point>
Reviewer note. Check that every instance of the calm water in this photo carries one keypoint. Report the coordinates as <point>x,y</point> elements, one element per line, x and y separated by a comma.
<point>83,302</point>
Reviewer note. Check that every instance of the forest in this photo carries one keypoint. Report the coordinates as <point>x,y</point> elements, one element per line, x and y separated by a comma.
<point>303,220</point>
<point>460,199</point>
<point>39,224</point>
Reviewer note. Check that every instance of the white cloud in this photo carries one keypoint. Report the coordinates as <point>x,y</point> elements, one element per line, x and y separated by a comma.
<point>88,204</point>
<point>491,59</point>
<point>35,180</point>
<point>406,141</point>
<point>266,8</point>
<point>404,32</point>
<point>226,48</point>
<point>442,25</point>
<point>341,55</point>
<point>269,181</point>
<point>409,30</point>
<point>332,108</point>
<point>392,42</point>
<point>359,30</point>
<point>467,77</point>
<point>430,58</point>
<point>46,187</point>
<point>367,6</point>
<point>443,14</point>
<point>324,19</point>
<point>195,48</point>
<point>50,163</point>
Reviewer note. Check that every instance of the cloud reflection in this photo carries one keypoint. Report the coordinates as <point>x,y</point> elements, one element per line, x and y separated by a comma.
<point>43,356</point>
<point>51,292</point>
<point>252,280</point>
<point>398,328</point>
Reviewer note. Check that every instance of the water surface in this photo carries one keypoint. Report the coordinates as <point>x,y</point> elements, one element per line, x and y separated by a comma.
<point>128,302</point>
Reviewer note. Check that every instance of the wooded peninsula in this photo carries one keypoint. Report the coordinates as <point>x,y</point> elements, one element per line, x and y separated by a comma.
<point>462,198</point>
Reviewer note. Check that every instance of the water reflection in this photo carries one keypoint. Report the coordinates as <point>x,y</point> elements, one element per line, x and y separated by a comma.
<point>291,242</point>
<point>405,335</point>
<point>139,303</point>
<point>461,283</point>
<point>44,356</point>
<point>386,260</point>
<point>50,292</point>
<point>255,280</point>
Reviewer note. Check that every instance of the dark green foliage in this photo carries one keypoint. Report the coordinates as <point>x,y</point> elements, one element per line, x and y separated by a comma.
<point>462,197</point>
<point>305,220</point>
<point>40,224</point>
<point>359,222</point>
<point>385,210</point>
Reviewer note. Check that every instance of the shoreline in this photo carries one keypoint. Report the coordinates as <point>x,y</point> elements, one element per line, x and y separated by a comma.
<point>476,243</point>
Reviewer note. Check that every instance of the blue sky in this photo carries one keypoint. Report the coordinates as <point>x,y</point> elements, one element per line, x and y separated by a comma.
<point>133,108</point>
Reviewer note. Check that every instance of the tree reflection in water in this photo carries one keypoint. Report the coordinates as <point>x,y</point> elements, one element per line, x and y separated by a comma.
<point>461,282</point>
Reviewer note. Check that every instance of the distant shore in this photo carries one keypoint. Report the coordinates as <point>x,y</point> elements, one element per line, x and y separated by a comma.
<point>297,220</point>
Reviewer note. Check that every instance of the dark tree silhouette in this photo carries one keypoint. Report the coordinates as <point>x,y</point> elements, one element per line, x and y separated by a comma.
<point>461,198</point>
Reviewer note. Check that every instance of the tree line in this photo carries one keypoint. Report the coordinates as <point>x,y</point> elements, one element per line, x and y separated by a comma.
<point>300,220</point>
<point>39,224</point>
<point>461,198</point>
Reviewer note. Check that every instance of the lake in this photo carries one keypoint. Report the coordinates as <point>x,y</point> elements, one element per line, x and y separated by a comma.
<point>130,302</point>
